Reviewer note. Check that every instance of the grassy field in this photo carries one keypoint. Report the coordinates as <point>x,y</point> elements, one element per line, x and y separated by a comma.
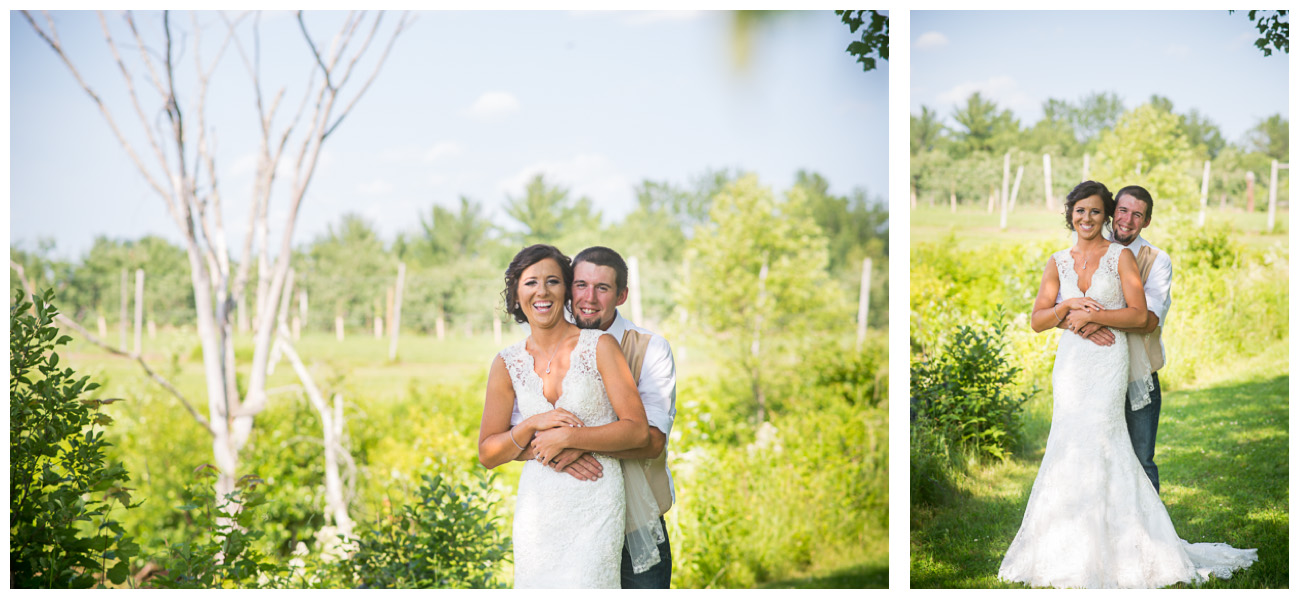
<point>1222,453</point>
<point>362,360</point>
<point>974,227</point>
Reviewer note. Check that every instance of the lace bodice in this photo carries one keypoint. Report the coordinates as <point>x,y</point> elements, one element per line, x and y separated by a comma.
<point>567,533</point>
<point>582,391</point>
<point>1105,287</point>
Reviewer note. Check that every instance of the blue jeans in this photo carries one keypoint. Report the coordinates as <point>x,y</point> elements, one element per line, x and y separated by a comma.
<point>658,576</point>
<point>1142,426</point>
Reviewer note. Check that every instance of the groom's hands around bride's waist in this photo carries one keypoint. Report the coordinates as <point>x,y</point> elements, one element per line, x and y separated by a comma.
<point>579,464</point>
<point>1094,332</point>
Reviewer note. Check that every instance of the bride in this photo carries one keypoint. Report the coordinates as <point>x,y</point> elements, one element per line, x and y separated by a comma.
<point>1093,519</point>
<point>575,390</point>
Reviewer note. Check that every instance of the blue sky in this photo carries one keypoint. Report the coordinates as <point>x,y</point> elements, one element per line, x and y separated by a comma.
<point>470,103</point>
<point>1198,59</point>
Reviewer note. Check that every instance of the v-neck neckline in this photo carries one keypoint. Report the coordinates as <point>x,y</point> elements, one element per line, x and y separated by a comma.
<point>541,381</point>
<point>1078,277</point>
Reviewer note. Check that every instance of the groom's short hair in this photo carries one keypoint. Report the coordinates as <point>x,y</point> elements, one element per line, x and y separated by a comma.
<point>1140,193</point>
<point>604,257</point>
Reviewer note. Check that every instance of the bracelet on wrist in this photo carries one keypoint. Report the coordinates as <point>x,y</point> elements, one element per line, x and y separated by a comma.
<point>511,433</point>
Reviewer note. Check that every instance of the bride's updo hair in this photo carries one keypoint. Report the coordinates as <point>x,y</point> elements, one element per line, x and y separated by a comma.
<point>526,258</point>
<point>1085,190</point>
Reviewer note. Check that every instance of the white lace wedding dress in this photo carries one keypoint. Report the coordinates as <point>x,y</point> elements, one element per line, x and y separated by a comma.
<point>1093,519</point>
<point>567,533</point>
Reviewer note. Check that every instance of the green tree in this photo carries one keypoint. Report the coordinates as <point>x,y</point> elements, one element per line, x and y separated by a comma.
<point>1147,148</point>
<point>1054,133</point>
<point>1270,137</point>
<point>983,127</point>
<point>1202,133</point>
<point>1095,113</point>
<point>875,37</point>
<point>758,270</point>
<point>1274,33</point>
<point>346,271</point>
<point>927,131</point>
<point>449,234</point>
<point>549,216</point>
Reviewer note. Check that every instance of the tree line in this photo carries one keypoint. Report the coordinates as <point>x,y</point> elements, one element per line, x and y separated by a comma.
<point>1095,137</point>
<point>455,255</point>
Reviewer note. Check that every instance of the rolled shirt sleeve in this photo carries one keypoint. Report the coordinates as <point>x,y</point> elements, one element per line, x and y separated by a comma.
<point>658,385</point>
<point>1159,286</point>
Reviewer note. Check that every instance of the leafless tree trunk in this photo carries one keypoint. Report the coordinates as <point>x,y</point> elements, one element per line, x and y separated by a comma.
<point>182,170</point>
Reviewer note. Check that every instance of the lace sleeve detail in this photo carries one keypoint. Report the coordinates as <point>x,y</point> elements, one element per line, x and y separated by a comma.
<point>585,354</point>
<point>1065,268</point>
<point>517,362</point>
<point>1110,260</point>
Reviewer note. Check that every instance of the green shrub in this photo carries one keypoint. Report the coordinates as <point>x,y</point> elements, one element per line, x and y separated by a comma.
<point>445,538</point>
<point>223,554</point>
<point>61,485</point>
<point>967,391</point>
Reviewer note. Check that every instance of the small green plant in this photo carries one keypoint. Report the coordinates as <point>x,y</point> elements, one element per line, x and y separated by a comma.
<point>445,538</point>
<point>223,554</point>
<point>967,391</point>
<point>62,486</point>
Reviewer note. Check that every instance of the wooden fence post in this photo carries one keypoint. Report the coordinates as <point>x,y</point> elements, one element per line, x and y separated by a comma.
<point>1250,192</point>
<point>397,311</point>
<point>1272,197</point>
<point>124,317</point>
<point>1006,181</point>
<point>338,327</point>
<point>496,329</point>
<point>1085,169</point>
<point>634,289</point>
<point>864,299</point>
<point>1205,194</point>
<point>1047,181</point>
<point>139,307</point>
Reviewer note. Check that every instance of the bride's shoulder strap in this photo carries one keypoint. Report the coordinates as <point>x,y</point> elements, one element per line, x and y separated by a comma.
<point>513,356</point>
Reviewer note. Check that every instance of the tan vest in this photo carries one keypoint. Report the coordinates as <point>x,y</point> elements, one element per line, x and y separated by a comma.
<point>1145,258</point>
<point>634,345</point>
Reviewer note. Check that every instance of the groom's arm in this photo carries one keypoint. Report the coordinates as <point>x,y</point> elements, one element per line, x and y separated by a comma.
<point>658,390</point>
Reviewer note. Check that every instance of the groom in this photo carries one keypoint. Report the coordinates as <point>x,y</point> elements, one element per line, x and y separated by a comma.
<point>1133,206</point>
<point>599,288</point>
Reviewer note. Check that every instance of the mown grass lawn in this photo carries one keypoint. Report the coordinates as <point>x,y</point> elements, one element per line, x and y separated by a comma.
<point>1222,452</point>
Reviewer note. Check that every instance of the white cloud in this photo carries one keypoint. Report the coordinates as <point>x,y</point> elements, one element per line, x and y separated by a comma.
<point>493,105</point>
<point>929,40</point>
<point>443,150</point>
<point>378,187</point>
<point>591,175</point>
<point>1178,50</point>
<point>1001,89</point>
<point>438,179</point>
